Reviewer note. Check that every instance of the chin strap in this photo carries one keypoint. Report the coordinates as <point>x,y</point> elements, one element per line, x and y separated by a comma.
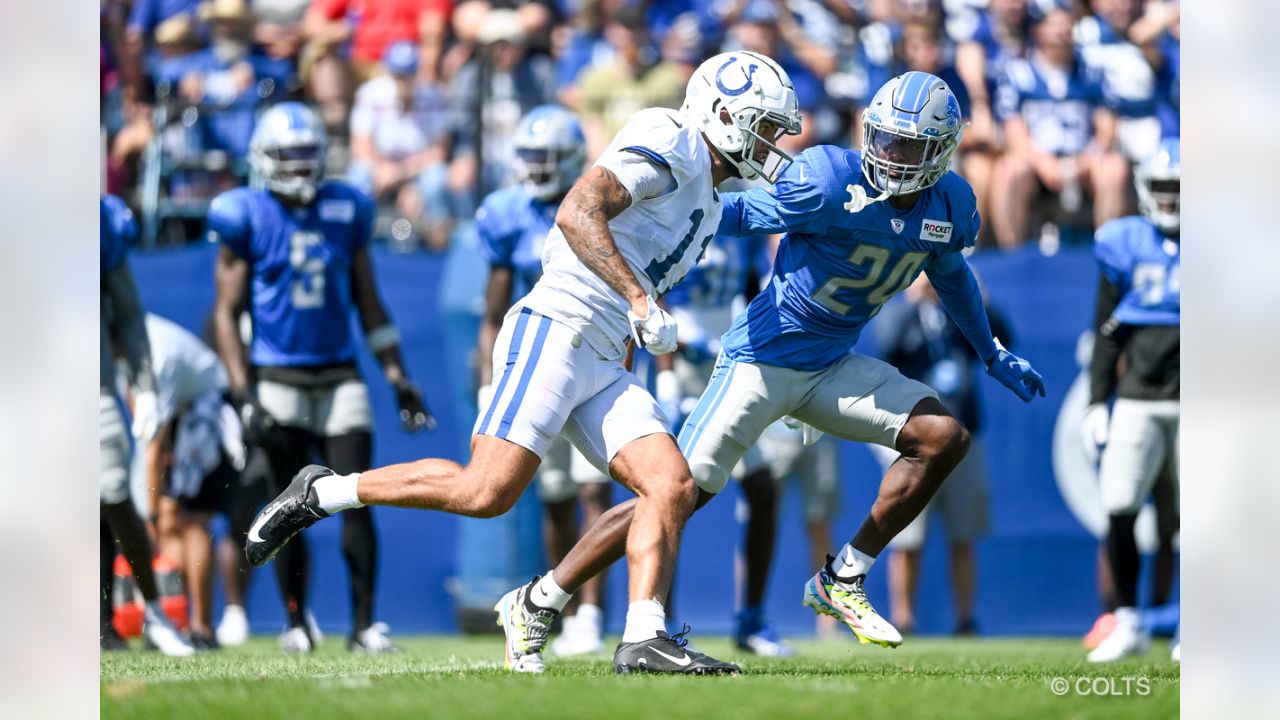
<point>858,200</point>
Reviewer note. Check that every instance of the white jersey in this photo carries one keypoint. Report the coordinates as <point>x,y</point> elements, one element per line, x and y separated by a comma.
<point>661,238</point>
<point>185,368</point>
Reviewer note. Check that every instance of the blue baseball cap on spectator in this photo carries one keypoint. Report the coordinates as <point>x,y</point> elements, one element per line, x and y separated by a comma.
<point>401,58</point>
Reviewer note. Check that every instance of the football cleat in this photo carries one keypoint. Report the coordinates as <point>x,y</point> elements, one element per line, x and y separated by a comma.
<point>296,640</point>
<point>372,639</point>
<point>526,626</point>
<point>293,511</point>
<point>845,599</point>
<point>753,634</point>
<point>1126,639</point>
<point>162,635</point>
<point>668,654</point>
<point>233,631</point>
<point>1102,627</point>
<point>580,634</point>
<point>109,640</point>
<point>204,641</point>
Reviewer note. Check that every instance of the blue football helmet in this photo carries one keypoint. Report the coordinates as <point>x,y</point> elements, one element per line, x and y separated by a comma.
<point>287,151</point>
<point>550,151</point>
<point>1157,180</point>
<point>909,132</point>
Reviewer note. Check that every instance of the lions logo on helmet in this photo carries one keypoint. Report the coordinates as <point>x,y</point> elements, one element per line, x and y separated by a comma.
<point>287,151</point>
<point>1158,181</point>
<point>743,102</point>
<point>909,132</point>
<point>550,151</point>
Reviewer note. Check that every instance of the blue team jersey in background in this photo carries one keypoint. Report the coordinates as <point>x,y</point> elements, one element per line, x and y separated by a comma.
<point>512,226</point>
<point>721,274</point>
<point>1056,106</point>
<point>116,229</point>
<point>835,269</point>
<point>300,259</point>
<point>1145,265</point>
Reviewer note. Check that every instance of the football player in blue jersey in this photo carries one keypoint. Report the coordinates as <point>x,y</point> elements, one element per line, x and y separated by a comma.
<point>843,256</point>
<point>123,326</point>
<point>512,226</point>
<point>298,251</point>
<point>1137,319</point>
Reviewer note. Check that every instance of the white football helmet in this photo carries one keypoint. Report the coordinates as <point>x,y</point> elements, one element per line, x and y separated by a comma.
<point>550,151</point>
<point>1158,181</point>
<point>749,89</point>
<point>909,132</point>
<point>287,151</point>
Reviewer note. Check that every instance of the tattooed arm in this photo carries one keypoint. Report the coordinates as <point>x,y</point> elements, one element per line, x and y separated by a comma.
<point>584,217</point>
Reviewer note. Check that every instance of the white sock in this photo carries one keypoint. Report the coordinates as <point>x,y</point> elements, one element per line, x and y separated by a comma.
<point>547,594</point>
<point>851,562</point>
<point>644,619</point>
<point>337,492</point>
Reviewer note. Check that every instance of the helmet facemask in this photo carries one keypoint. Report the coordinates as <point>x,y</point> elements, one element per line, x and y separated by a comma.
<point>547,172</point>
<point>763,132</point>
<point>292,171</point>
<point>899,161</point>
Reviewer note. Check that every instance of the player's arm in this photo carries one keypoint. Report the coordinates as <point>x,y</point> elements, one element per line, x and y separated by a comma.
<point>1106,343</point>
<point>231,277</point>
<point>497,300</point>
<point>793,204</point>
<point>598,197</point>
<point>384,343</point>
<point>958,290</point>
<point>131,327</point>
<point>156,460</point>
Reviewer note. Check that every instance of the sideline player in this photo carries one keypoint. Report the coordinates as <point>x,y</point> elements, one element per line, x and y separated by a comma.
<point>628,231</point>
<point>123,324</point>
<point>512,225</point>
<point>298,250</point>
<point>843,257</point>
<point>1138,319</point>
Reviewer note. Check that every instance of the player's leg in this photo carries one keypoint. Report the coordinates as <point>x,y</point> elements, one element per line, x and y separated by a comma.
<point>582,627</point>
<point>292,565</point>
<point>197,573</point>
<point>818,471</point>
<point>962,503</point>
<point>758,481</point>
<point>1134,453</point>
<point>904,557</point>
<point>866,400</point>
<point>246,495</point>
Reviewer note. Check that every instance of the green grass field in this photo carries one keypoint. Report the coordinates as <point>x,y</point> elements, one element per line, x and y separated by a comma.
<point>462,677</point>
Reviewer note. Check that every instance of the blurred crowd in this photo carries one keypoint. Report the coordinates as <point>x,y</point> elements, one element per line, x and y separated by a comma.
<point>421,98</point>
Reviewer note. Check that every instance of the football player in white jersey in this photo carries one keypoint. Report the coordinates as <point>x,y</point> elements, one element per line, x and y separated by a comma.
<point>629,230</point>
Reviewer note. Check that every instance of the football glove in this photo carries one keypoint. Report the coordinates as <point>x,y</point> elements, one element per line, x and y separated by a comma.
<point>656,331</point>
<point>1016,374</point>
<point>260,427</point>
<point>145,416</point>
<point>1094,430</point>
<point>414,414</point>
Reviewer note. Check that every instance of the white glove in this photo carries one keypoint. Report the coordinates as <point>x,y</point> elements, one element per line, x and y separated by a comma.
<point>656,332</point>
<point>1094,430</point>
<point>809,433</point>
<point>484,396</point>
<point>145,419</point>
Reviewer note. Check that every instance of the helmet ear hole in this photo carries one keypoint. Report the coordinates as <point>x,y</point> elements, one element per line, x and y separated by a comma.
<point>725,117</point>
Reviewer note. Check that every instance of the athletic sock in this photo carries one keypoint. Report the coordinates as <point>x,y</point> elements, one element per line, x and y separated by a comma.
<point>644,619</point>
<point>851,562</point>
<point>547,594</point>
<point>336,493</point>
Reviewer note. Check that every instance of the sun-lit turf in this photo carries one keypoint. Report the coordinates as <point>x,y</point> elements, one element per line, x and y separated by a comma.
<point>459,677</point>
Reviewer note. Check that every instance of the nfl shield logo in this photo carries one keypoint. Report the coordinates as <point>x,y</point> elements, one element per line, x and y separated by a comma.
<point>897,225</point>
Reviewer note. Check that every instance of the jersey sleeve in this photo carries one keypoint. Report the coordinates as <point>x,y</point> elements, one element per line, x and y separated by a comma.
<point>362,229</point>
<point>793,204</point>
<point>1110,247</point>
<point>497,238</point>
<point>964,213</point>
<point>229,223</point>
<point>644,173</point>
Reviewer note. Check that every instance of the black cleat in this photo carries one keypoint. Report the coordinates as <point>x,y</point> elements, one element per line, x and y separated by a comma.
<point>667,654</point>
<point>109,640</point>
<point>293,511</point>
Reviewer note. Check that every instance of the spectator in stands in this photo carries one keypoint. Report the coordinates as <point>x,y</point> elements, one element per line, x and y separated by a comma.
<point>920,339</point>
<point>370,26</point>
<point>487,101</point>
<point>400,144</point>
<point>582,46</point>
<point>637,79</point>
<point>535,18</point>
<point>278,36</point>
<point>999,35</point>
<point>1128,73</point>
<point>222,78</point>
<point>1060,135</point>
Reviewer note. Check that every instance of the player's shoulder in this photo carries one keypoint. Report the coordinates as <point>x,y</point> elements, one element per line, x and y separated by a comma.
<point>340,190</point>
<point>235,204</point>
<point>1121,232</point>
<point>958,194</point>
<point>663,135</point>
<point>340,201</point>
<point>501,208</point>
<point>118,217</point>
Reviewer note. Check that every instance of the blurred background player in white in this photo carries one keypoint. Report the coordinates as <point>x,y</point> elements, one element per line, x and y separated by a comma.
<point>920,339</point>
<point>124,326</point>
<point>512,226</point>
<point>654,191</point>
<point>297,252</point>
<point>192,462</point>
<point>1137,322</point>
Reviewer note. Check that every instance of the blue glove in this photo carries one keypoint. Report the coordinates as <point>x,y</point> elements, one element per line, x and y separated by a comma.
<point>1016,374</point>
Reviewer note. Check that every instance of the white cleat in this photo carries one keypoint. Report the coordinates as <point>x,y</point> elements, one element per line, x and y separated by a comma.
<point>233,631</point>
<point>525,626</point>
<point>296,640</point>
<point>847,601</point>
<point>372,639</point>
<point>580,634</point>
<point>162,634</point>
<point>1126,639</point>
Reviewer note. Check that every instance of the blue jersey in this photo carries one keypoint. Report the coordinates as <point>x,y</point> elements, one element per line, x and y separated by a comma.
<point>835,269</point>
<point>1128,81</point>
<point>116,229</point>
<point>1057,108</point>
<point>301,264</point>
<point>1144,265</point>
<point>721,274</point>
<point>512,226</point>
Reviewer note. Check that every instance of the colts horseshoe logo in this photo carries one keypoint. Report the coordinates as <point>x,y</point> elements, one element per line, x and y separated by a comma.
<point>734,92</point>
